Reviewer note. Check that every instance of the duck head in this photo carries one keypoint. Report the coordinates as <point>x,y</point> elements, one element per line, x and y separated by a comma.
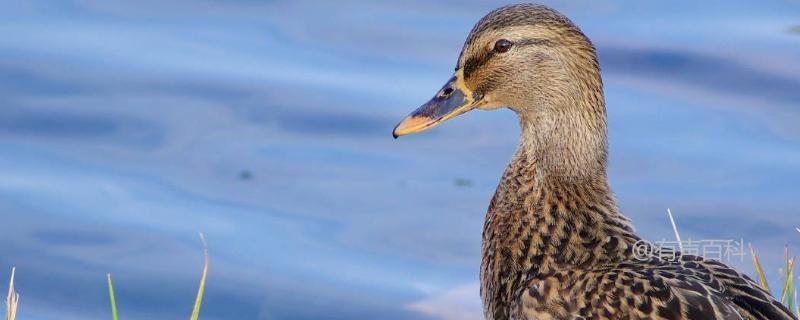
<point>536,62</point>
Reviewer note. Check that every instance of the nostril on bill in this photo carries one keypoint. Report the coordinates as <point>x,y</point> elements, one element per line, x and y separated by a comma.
<point>447,91</point>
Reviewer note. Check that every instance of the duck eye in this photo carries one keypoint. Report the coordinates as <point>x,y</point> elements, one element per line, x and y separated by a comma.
<point>502,45</point>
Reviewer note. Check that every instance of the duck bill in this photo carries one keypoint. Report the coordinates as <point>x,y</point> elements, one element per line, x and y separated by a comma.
<point>452,100</point>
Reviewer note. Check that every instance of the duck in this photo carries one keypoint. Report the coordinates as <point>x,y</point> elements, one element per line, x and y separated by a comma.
<point>555,244</point>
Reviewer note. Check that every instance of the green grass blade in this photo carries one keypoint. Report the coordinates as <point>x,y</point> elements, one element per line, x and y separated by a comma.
<point>786,292</point>
<point>762,278</point>
<point>199,300</point>
<point>790,291</point>
<point>114,313</point>
<point>12,300</point>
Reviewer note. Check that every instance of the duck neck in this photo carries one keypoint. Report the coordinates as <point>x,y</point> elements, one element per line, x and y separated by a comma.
<point>549,222</point>
<point>566,137</point>
<point>552,211</point>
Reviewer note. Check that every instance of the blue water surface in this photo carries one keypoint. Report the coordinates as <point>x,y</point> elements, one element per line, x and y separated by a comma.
<point>127,127</point>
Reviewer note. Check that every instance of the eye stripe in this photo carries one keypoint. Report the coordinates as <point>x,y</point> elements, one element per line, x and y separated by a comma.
<point>474,63</point>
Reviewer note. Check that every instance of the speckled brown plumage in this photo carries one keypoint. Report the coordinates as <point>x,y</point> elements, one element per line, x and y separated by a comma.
<point>556,249</point>
<point>555,245</point>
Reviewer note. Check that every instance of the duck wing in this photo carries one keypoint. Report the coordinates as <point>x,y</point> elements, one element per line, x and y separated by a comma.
<point>752,301</point>
<point>690,288</point>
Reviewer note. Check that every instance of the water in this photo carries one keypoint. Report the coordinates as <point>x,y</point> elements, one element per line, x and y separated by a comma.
<point>128,127</point>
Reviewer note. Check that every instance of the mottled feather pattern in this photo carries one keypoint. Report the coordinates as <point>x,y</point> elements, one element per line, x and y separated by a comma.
<point>556,250</point>
<point>555,245</point>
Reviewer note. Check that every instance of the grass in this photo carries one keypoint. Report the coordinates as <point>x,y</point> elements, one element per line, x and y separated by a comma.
<point>789,291</point>
<point>675,228</point>
<point>114,313</point>
<point>198,301</point>
<point>12,300</point>
<point>788,295</point>
<point>200,290</point>
<point>762,279</point>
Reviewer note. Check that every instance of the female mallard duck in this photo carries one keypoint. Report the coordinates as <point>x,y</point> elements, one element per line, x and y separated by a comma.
<point>555,245</point>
